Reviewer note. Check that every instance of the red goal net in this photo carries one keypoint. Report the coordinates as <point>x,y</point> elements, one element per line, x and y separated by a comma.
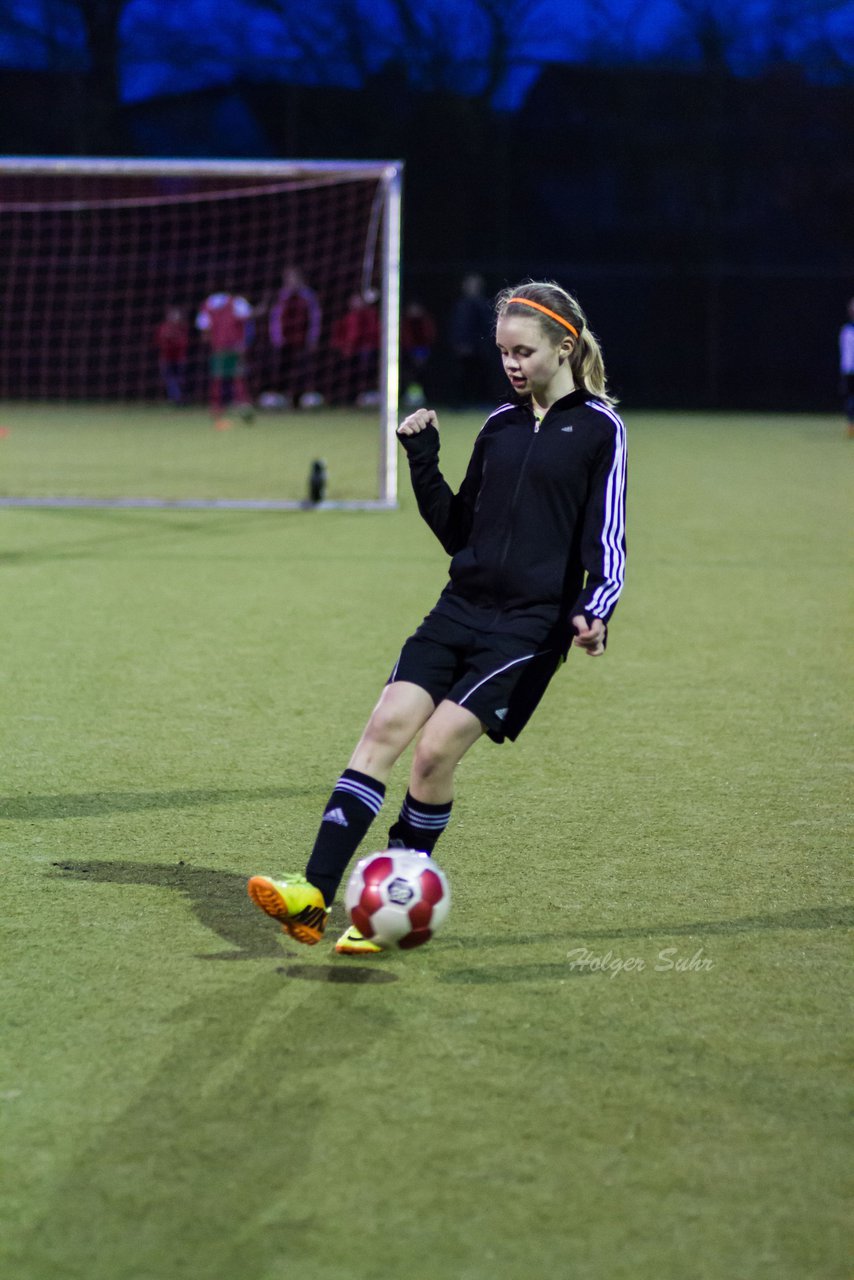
<point>110,272</point>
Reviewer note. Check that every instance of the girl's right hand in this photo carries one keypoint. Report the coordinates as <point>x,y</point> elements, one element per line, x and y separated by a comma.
<point>418,421</point>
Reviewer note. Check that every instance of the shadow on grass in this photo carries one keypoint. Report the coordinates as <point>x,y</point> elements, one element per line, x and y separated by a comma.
<point>115,529</point>
<point>219,901</point>
<point>808,918</point>
<point>836,917</point>
<point>217,898</point>
<point>191,1168</point>
<point>486,976</point>
<point>98,804</point>
<point>331,973</point>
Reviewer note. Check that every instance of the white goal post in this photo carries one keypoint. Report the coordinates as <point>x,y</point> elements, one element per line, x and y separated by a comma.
<point>93,251</point>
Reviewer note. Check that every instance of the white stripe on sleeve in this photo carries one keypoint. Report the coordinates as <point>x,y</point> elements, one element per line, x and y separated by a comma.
<point>614,524</point>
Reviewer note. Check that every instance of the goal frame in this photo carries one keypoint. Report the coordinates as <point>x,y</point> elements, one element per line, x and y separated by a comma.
<point>389,175</point>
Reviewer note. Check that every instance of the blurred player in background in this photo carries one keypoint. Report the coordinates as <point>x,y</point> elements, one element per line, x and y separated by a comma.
<point>846,365</point>
<point>226,320</point>
<point>172,340</point>
<point>470,335</point>
<point>356,342</point>
<point>294,326</point>
<point>537,538</point>
<point>417,339</point>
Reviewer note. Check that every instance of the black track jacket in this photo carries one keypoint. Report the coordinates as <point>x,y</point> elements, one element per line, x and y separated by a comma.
<point>537,529</point>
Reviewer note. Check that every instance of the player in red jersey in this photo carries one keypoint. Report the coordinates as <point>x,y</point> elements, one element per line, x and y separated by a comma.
<point>356,339</point>
<point>172,340</point>
<point>295,320</point>
<point>224,320</point>
<point>417,339</point>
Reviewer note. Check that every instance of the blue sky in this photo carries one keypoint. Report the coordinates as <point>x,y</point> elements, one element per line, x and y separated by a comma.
<point>190,44</point>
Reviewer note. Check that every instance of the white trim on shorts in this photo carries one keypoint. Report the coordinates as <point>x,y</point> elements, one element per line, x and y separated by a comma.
<point>525,658</point>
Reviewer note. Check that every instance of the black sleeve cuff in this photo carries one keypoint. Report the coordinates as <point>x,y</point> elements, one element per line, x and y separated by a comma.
<point>423,444</point>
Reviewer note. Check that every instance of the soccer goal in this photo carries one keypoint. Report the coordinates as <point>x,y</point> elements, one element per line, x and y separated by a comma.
<point>193,334</point>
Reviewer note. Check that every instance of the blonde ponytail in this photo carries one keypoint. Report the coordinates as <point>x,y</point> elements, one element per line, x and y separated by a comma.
<point>588,367</point>
<point>558,311</point>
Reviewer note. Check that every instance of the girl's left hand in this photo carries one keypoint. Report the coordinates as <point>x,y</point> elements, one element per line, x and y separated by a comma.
<point>418,421</point>
<point>591,638</point>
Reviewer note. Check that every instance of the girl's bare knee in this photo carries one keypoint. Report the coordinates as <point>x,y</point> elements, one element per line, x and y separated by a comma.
<point>393,722</point>
<point>384,728</point>
<point>431,760</point>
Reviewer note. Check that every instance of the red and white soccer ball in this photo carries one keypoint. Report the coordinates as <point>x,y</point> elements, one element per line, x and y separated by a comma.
<point>398,898</point>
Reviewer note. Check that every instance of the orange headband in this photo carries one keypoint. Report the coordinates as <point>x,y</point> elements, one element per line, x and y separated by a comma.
<point>526,302</point>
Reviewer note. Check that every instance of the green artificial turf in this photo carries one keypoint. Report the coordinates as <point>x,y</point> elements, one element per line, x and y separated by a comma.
<point>153,451</point>
<point>186,1095</point>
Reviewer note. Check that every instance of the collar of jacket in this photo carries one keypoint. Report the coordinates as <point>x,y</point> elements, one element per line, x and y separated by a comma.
<point>572,401</point>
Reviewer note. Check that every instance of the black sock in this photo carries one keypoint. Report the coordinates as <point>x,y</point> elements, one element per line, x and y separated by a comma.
<point>419,825</point>
<point>352,807</point>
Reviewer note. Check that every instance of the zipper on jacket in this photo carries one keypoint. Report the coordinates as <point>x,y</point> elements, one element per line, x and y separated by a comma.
<point>514,503</point>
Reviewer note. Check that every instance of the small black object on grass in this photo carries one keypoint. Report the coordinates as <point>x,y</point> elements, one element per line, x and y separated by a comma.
<point>317,479</point>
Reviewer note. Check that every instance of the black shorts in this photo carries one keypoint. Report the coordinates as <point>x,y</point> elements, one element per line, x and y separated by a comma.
<point>499,678</point>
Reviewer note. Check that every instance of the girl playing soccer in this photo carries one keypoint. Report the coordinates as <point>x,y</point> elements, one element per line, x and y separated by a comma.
<point>536,533</point>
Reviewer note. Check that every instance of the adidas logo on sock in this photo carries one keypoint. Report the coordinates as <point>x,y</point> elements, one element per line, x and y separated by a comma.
<point>337,816</point>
